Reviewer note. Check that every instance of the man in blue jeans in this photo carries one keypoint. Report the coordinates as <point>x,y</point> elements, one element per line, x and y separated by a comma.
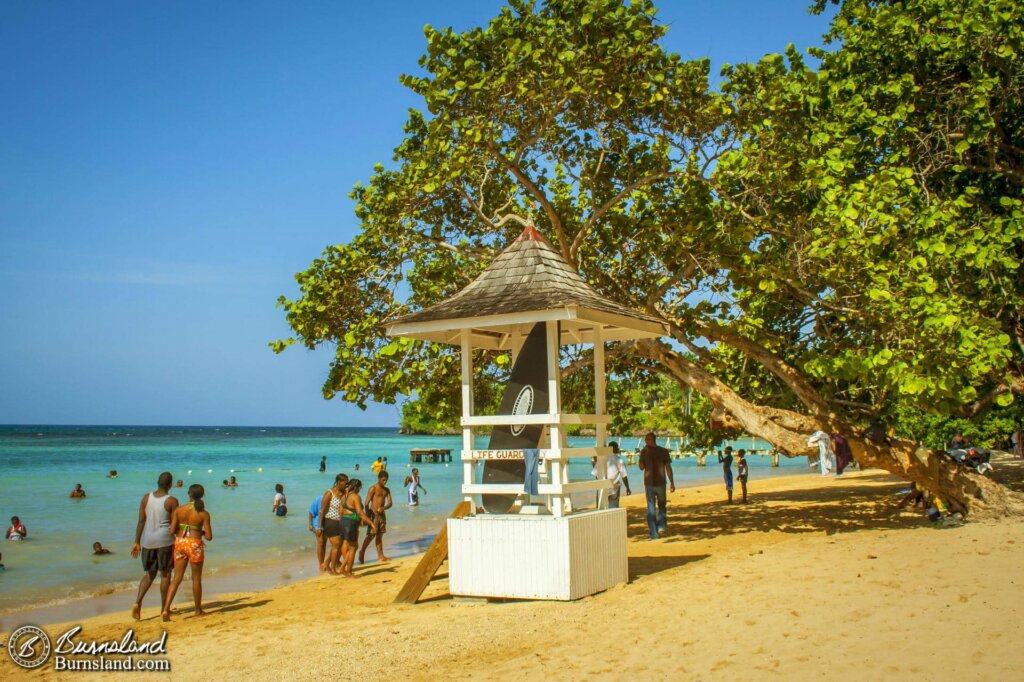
<point>657,466</point>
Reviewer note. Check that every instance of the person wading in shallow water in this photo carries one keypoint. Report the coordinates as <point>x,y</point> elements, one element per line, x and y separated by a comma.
<point>153,537</point>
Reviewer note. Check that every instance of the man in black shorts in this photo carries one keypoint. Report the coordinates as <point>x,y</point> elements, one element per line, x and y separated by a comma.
<point>153,537</point>
<point>378,501</point>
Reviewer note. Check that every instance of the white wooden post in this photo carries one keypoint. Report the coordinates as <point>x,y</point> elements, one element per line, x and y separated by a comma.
<point>468,467</point>
<point>558,469</point>
<point>601,435</point>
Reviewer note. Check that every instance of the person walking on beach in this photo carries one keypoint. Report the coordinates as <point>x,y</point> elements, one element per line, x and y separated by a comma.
<point>319,539</point>
<point>323,464</point>
<point>742,472</point>
<point>17,530</point>
<point>413,486</point>
<point>726,463</point>
<point>352,514</point>
<point>191,524</point>
<point>616,473</point>
<point>330,521</point>
<point>656,464</point>
<point>280,507</point>
<point>77,493</point>
<point>378,501</point>
<point>153,536</point>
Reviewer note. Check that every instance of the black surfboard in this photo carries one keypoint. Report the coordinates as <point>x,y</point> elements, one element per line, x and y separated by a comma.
<point>525,393</point>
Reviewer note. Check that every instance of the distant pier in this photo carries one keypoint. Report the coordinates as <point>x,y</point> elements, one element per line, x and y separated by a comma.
<point>430,455</point>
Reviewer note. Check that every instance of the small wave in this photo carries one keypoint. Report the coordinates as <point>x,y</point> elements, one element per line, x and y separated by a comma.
<point>73,596</point>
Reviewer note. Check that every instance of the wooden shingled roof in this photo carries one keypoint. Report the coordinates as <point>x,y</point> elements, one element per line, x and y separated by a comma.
<point>526,283</point>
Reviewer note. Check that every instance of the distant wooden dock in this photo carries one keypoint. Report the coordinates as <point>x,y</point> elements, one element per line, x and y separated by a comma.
<point>430,455</point>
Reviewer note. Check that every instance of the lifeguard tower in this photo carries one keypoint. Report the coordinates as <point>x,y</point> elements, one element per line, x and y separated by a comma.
<point>557,539</point>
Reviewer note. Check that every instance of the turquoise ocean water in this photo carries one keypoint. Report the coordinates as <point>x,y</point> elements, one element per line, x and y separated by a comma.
<point>39,466</point>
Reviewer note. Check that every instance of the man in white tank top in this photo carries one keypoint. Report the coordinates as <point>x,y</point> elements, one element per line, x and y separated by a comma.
<point>153,537</point>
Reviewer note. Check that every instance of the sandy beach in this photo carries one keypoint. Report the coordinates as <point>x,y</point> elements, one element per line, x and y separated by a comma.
<point>815,578</point>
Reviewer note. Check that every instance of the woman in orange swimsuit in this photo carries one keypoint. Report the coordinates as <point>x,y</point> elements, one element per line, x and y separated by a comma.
<point>190,523</point>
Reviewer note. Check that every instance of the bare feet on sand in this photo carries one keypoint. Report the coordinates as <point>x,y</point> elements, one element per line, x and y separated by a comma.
<point>137,611</point>
<point>166,615</point>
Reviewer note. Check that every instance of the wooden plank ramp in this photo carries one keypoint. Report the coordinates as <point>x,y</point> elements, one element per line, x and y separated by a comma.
<point>431,561</point>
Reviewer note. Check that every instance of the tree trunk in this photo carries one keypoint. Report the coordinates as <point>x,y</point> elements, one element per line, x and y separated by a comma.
<point>964,490</point>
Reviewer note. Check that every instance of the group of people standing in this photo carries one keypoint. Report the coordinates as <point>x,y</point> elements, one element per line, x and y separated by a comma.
<point>169,537</point>
<point>335,518</point>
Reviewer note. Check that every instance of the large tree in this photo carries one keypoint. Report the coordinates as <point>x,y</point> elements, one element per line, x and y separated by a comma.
<point>824,243</point>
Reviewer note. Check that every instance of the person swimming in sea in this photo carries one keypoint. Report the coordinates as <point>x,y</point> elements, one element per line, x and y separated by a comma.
<point>77,493</point>
<point>181,483</point>
<point>98,549</point>
<point>190,524</point>
<point>233,482</point>
<point>112,474</point>
<point>17,530</point>
<point>280,507</point>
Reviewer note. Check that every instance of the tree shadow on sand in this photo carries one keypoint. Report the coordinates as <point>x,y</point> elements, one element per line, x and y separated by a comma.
<point>1009,471</point>
<point>233,605</point>
<point>835,507</point>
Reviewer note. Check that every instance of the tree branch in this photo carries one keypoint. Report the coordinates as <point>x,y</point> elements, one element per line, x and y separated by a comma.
<point>538,194</point>
<point>607,206</point>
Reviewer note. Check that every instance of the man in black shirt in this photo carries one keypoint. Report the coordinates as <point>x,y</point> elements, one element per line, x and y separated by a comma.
<point>657,466</point>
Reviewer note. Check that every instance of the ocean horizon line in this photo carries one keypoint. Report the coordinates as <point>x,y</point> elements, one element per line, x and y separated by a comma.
<point>193,426</point>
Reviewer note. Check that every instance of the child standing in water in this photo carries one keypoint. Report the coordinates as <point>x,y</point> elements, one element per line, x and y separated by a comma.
<point>190,523</point>
<point>280,503</point>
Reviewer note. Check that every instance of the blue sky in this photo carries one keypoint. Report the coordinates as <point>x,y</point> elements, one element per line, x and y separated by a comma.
<point>166,168</point>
